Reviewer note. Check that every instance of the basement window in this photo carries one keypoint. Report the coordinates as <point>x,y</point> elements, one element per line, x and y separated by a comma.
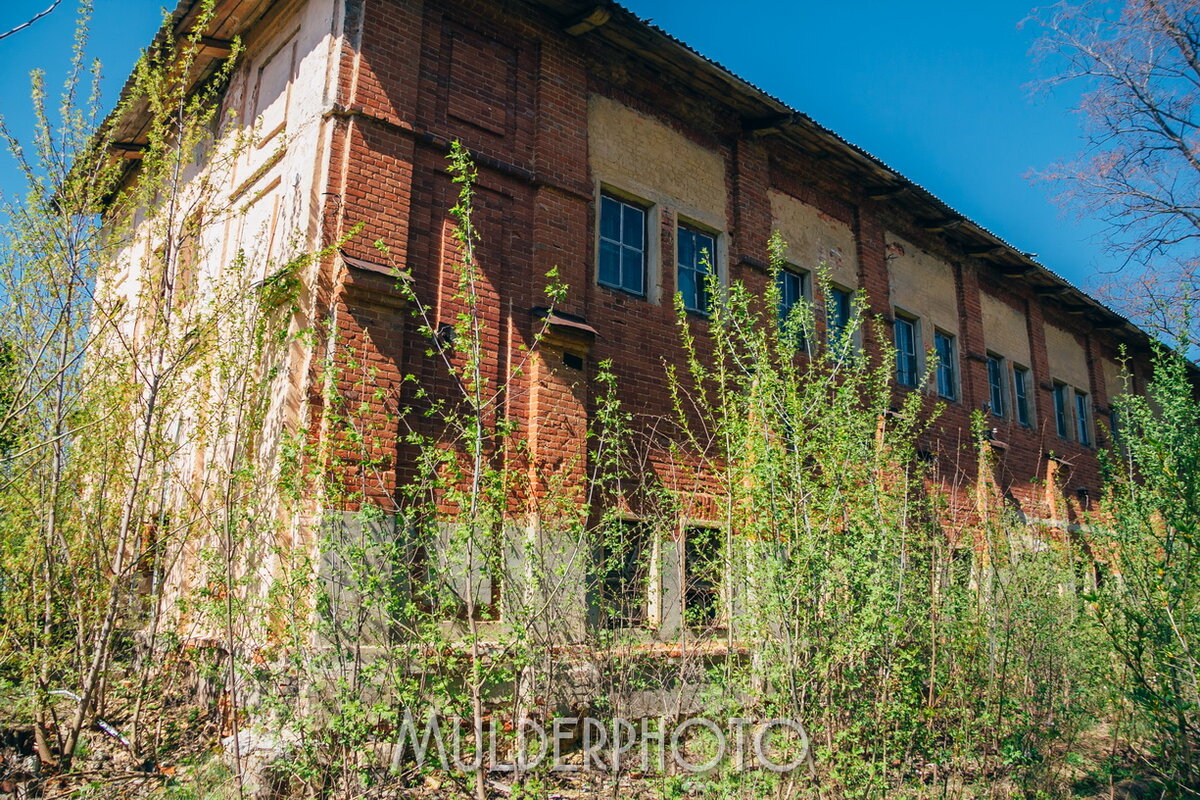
<point>623,572</point>
<point>702,549</point>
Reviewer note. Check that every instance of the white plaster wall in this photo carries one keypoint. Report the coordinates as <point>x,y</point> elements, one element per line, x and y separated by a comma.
<point>277,98</point>
<point>260,200</point>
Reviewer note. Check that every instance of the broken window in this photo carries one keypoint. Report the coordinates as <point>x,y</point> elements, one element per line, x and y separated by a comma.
<point>623,573</point>
<point>702,568</point>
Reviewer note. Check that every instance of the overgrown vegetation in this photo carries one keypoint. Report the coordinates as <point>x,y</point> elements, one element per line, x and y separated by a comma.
<point>202,597</point>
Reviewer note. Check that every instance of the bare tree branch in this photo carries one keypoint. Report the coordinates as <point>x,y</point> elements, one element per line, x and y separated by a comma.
<point>1138,64</point>
<point>29,22</point>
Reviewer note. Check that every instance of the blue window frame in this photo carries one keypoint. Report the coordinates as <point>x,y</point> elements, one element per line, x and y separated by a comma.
<point>1082,428</point>
<point>697,262</point>
<point>1021,394</point>
<point>947,366</point>
<point>838,308</point>
<point>995,370</point>
<point>906,351</point>
<point>622,260</point>
<point>793,288</point>
<point>1060,410</point>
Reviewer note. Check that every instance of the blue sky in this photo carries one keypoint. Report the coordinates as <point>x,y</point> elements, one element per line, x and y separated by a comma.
<point>937,89</point>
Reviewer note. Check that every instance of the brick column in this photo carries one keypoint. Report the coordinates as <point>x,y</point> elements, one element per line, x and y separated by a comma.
<point>750,207</point>
<point>973,352</point>
<point>558,466</point>
<point>562,206</point>
<point>873,279</point>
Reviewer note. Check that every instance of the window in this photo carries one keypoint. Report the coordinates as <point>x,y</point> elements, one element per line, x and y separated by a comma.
<point>701,573</point>
<point>1060,410</point>
<point>1021,394</point>
<point>187,259</point>
<point>995,369</point>
<point>947,378</point>
<point>623,572</point>
<point>793,288</point>
<point>1083,433</point>
<point>622,259</point>
<point>838,308</point>
<point>697,263</point>
<point>906,351</point>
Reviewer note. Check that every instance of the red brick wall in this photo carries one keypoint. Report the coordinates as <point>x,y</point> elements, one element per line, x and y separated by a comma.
<point>505,80</point>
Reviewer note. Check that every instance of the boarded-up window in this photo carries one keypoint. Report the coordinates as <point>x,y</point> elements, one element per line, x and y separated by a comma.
<point>481,73</point>
<point>187,259</point>
<point>272,90</point>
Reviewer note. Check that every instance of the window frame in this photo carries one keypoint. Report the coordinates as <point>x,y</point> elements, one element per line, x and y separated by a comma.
<point>632,608</point>
<point>912,358</point>
<point>947,366</point>
<point>708,585</point>
<point>836,326</point>
<point>1083,432</point>
<point>804,294</point>
<point>996,371</point>
<point>623,202</point>
<point>1022,408</point>
<point>1115,429</point>
<point>701,283</point>
<point>1062,410</point>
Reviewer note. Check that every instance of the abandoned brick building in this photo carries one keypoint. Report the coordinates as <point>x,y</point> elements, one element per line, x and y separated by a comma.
<point>612,151</point>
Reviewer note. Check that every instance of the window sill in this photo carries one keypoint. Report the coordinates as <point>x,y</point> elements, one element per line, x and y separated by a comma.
<point>623,292</point>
